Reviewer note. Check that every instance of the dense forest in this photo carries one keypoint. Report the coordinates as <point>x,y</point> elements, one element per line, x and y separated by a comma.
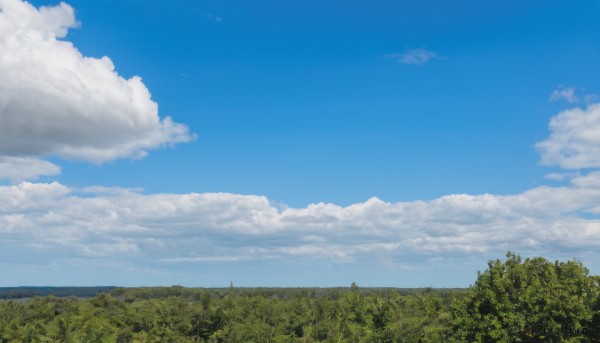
<point>516,300</point>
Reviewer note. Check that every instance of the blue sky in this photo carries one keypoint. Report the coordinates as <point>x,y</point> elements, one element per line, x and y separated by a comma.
<point>294,100</point>
<point>298,113</point>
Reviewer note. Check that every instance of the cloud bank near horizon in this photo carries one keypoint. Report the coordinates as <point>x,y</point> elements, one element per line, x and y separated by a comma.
<point>56,102</point>
<point>159,231</point>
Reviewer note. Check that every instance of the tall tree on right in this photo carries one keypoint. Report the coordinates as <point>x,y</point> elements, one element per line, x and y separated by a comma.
<point>531,300</point>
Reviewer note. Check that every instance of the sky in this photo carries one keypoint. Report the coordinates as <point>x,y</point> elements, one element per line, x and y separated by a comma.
<point>295,143</point>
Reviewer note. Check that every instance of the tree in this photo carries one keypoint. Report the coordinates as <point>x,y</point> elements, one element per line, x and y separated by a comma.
<point>528,301</point>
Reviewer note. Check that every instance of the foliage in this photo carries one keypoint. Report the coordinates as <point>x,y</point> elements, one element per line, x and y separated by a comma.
<point>533,300</point>
<point>512,301</point>
<point>178,314</point>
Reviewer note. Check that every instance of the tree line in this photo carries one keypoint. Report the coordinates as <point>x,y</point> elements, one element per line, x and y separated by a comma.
<point>515,300</point>
<point>28,292</point>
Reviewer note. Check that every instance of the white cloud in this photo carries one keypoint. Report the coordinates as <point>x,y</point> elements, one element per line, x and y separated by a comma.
<point>56,102</point>
<point>574,141</point>
<point>559,176</point>
<point>156,230</point>
<point>18,169</point>
<point>412,56</point>
<point>564,93</point>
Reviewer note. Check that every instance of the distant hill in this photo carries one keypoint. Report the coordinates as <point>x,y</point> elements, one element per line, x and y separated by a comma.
<point>28,292</point>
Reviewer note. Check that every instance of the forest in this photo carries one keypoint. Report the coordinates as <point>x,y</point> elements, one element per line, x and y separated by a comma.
<point>28,292</point>
<point>515,300</point>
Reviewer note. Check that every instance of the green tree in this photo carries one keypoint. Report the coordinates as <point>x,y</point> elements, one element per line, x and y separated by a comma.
<point>533,300</point>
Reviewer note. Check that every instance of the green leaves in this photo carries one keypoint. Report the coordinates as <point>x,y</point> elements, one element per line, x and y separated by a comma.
<point>525,301</point>
<point>515,300</point>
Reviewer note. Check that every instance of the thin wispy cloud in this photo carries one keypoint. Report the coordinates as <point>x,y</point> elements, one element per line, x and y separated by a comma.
<point>417,56</point>
<point>559,176</point>
<point>564,93</point>
<point>212,17</point>
<point>591,98</point>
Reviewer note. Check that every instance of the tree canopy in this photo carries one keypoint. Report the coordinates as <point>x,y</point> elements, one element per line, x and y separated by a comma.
<point>531,300</point>
<point>516,300</point>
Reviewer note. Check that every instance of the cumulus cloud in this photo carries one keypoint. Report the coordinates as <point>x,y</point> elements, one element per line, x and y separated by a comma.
<point>56,102</point>
<point>161,230</point>
<point>574,140</point>
<point>412,56</point>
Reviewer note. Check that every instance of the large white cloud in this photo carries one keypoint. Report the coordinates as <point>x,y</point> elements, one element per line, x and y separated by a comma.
<point>574,141</point>
<point>56,102</point>
<point>161,230</point>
